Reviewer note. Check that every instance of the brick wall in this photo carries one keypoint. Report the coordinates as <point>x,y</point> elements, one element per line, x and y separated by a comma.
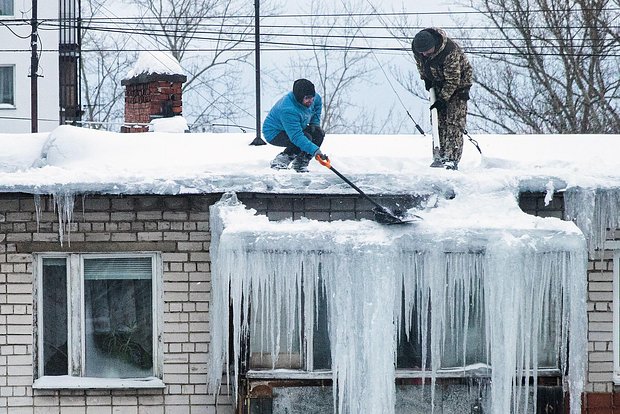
<point>600,323</point>
<point>147,96</point>
<point>601,394</point>
<point>324,207</point>
<point>175,226</point>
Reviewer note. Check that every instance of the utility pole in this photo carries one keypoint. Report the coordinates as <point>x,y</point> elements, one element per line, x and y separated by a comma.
<point>34,67</point>
<point>258,140</point>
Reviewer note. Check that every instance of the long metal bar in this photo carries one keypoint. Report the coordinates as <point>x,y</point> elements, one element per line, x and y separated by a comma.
<point>257,140</point>
<point>34,66</point>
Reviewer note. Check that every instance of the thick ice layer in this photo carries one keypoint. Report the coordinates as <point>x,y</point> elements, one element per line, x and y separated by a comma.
<point>594,211</point>
<point>518,279</point>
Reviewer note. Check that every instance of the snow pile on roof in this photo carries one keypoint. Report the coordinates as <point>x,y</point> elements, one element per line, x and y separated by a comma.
<point>161,62</point>
<point>82,160</point>
<point>20,151</point>
<point>175,124</point>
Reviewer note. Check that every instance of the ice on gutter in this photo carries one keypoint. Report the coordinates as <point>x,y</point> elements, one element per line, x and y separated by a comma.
<point>594,210</point>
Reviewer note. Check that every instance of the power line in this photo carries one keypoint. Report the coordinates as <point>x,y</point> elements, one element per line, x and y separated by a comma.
<point>373,14</point>
<point>291,47</point>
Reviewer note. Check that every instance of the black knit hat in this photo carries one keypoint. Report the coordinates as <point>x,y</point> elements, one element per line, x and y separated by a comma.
<point>423,41</point>
<point>301,88</point>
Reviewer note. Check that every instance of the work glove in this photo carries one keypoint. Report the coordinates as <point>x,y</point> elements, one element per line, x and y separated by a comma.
<point>319,153</point>
<point>464,94</point>
<point>439,104</point>
<point>316,130</point>
<point>428,84</point>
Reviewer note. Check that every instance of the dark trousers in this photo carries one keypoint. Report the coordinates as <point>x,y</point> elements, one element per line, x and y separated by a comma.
<point>282,140</point>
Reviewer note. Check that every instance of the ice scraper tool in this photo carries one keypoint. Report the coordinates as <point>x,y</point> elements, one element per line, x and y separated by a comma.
<point>382,214</point>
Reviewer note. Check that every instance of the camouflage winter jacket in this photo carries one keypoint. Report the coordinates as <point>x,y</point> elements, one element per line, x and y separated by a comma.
<point>447,69</point>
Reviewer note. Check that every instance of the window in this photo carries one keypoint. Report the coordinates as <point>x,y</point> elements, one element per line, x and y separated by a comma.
<point>6,8</point>
<point>464,345</point>
<point>314,356</point>
<point>7,95</point>
<point>97,318</point>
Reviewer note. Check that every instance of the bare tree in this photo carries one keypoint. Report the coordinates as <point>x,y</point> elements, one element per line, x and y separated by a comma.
<point>211,40</point>
<point>101,73</point>
<point>213,91</point>
<point>553,69</point>
<point>337,63</point>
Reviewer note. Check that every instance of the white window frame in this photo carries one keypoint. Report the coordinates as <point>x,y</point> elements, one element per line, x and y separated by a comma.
<point>616,309</point>
<point>76,321</point>
<point>8,105</point>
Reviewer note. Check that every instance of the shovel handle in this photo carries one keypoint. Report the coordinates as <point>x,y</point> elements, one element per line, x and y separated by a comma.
<point>325,162</point>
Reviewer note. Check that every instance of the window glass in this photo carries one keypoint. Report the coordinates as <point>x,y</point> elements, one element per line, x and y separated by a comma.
<point>118,317</point>
<point>550,337</point>
<point>409,346</point>
<point>321,347</point>
<point>6,8</point>
<point>55,331</point>
<point>6,85</point>
<point>285,333</point>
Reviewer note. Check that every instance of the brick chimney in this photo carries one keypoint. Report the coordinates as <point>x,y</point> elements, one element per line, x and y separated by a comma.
<point>154,92</point>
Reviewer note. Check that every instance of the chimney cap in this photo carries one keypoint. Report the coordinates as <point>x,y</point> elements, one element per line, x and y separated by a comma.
<point>155,62</point>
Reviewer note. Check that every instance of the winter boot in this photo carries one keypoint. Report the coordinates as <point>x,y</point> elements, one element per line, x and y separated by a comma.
<point>451,165</point>
<point>301,161</point>
<point>281,161</point>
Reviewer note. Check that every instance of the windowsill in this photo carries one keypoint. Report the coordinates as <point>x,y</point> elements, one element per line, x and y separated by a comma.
<point>288,374</point>
<point>6,106</point>
<point>68,382</point>
<point>477,370</point>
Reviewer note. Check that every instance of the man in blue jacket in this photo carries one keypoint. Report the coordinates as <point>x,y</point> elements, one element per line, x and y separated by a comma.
<point>294,123</point>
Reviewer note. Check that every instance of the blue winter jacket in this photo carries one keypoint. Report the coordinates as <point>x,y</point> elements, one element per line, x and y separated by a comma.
<point>292,117</point>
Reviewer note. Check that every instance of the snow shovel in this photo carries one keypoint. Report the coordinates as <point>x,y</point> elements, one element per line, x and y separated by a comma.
<point>382,214</point>
<point>435,129</point>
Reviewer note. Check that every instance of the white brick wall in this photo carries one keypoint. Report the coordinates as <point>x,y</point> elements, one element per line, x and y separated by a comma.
<point>179,227</point>
<point>600,323</point>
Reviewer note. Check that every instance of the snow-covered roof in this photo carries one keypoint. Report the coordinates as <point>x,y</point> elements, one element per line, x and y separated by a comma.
<point>71,159</point>
<point>150,62</point>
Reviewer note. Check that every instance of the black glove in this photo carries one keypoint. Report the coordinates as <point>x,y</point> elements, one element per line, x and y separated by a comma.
<point>463,94</point>
<point>428,84</point>
<point>315,130</point>
<point>439,105</point>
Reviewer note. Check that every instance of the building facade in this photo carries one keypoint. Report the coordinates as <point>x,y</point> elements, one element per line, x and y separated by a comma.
<point>72,291</point>
<point>58,55</point>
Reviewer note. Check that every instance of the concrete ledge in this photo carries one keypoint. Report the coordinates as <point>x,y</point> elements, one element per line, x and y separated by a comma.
<point>146,246</point>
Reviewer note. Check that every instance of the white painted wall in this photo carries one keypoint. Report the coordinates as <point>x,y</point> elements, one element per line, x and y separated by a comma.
<point>16,51</point>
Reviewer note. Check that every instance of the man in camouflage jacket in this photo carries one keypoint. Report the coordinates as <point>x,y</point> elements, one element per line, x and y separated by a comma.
<point>443,65</point>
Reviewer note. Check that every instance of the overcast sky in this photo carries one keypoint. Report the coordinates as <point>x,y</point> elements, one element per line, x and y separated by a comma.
<point>383,96</point>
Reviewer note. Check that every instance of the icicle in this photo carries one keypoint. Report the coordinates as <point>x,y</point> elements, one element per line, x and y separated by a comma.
<point>220,293</point>
<point>37,210</point>
<point>594,211</point>
<point>549,193</point>
<point>361,285</point>
<point>64,203</point>
<point>486,301</point>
